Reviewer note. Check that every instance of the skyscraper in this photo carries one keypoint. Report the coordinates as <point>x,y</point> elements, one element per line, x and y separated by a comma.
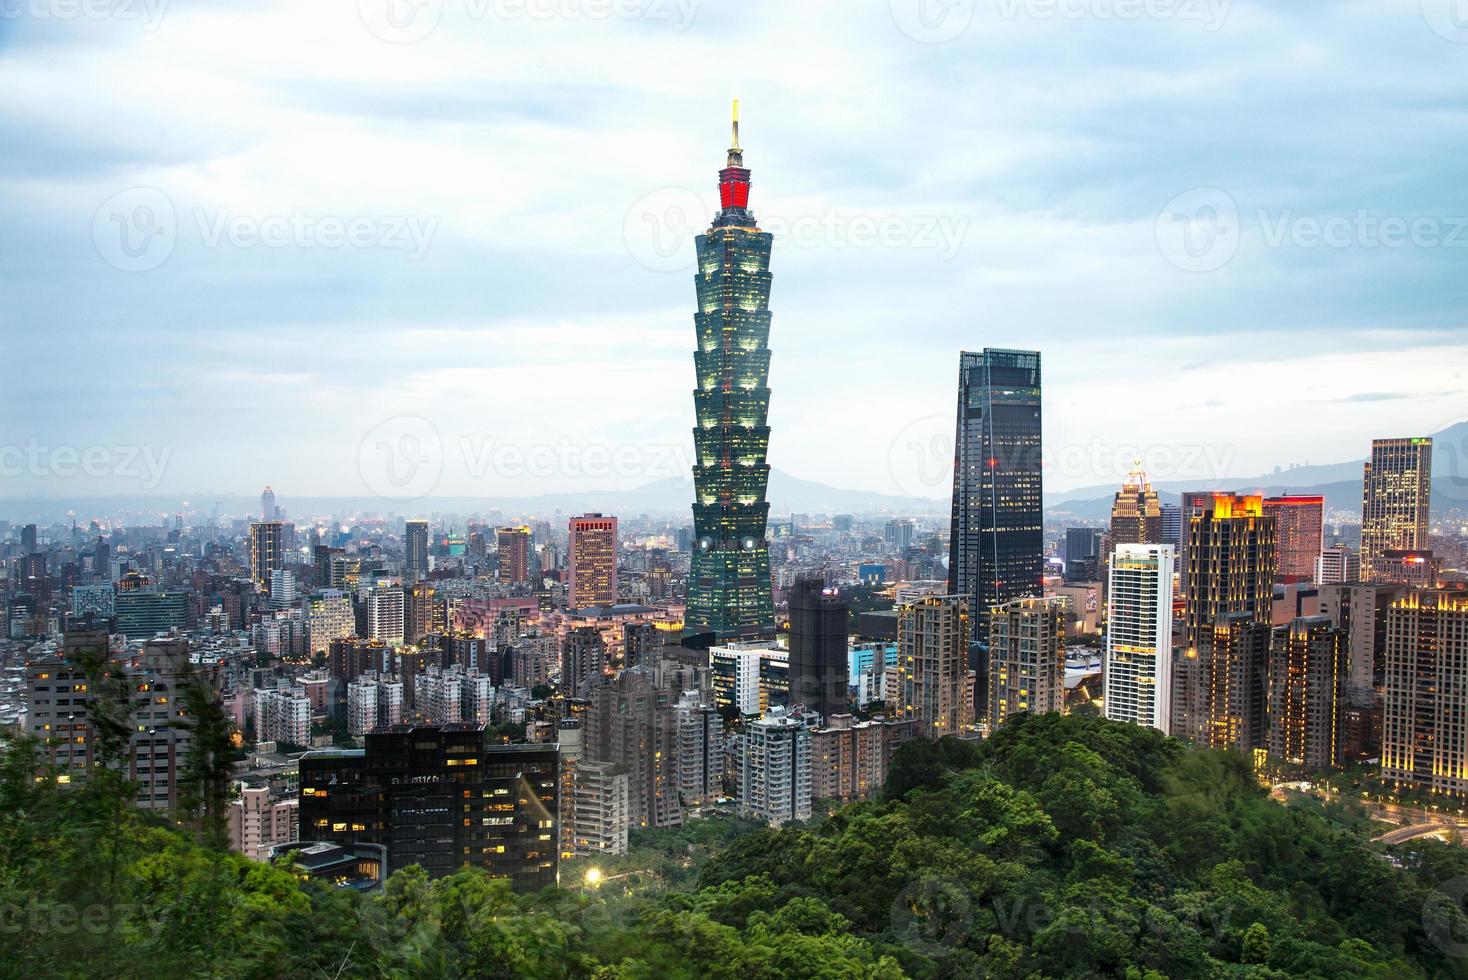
<point>1230,557</point>
<point>415,549</point>
<point>268,510</point>
<point>996,545</point>
<point>267,551</point>
<point>1026,659</point>
<point>1307,665</point>
<point>1300,531</point>
<point>772,769</point>
<point>1424,740</point>
<point>1136,513</point>
<point>935,685</point>
<point>1396,494</point>
<point>818,629</point>
<point>514,554</point>
<point>592,566</point>
<point>1235,661</point>
<point>1137,672</point>
<point>729,574</point>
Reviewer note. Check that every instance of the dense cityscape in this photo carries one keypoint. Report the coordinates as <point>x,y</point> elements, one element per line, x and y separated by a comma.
<point>1154,728</point>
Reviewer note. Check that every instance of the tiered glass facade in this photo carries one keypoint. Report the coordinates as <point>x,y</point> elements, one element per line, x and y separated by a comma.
<point>729,588</point>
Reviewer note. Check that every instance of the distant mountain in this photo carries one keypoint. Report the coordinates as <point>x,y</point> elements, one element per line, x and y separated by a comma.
<point>672,496</point>
<point>1339,483</point>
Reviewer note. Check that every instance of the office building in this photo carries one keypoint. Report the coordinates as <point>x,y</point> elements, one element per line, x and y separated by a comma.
<point>937,686</point>
<point>268,510</point>
<point>735,672</point>
<point>818,630</point>
<point>1026,659</point>
<point>592,566</point>
<point>772,769</point>
<point>1307,662</point>
<point>1136,513</point>
<point>1414,569</point>
<point>1396,495</point>
<point>1299,524</point>
<point>1170,520</point>
<point>143,613</point>
<point>996,541</point>
<point>729,588</point>
<point>442,797</point>
<point>1424,741</point>
<point>898,533</point>
<point>97,601</point>
<point>1137,668</point>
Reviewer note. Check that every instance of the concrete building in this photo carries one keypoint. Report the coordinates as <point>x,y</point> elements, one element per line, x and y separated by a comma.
<point>592,561</point>
<point>932,666</point>
<point>1307,661</point>
<point>818,639</point>
<point>772,769</point>
<point>258,820</point>
<point>385,616</point>
<point>700,759</point>
<point>1424,741</point>
<point>601,809</point>
<point>1026,659</point>
<point>1137,664</point>
<point>1396,498</point>
<point>1299,523</point>
<point>848,759</point>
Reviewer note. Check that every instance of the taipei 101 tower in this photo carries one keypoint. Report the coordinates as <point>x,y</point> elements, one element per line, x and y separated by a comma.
<point>729,575</point>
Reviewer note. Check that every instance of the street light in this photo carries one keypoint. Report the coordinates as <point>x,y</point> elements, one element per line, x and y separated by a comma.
<point>593,876</point>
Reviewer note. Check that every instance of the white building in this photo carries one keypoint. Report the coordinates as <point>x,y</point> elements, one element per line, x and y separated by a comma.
<point>385,616</point>
<point>601,809</point>
<point>772,769</point>
<point>736,672</point>
<point>283,590</point>
<point>329,617</point>
<point>700,751</point>
<point>1137,668</point>
<point>361,705</point>
<point>283,715</point>
<point>1337,566</point>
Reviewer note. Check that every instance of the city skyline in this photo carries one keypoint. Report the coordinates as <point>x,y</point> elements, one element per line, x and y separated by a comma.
<point>1044,222</point>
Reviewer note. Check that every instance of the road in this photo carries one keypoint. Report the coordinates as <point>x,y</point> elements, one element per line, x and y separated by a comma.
<point>1411,822</point>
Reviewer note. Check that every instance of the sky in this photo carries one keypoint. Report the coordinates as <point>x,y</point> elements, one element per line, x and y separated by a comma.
<point>417,247</point>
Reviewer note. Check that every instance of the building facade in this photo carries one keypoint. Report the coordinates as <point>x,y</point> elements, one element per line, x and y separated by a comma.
<point>1026,659</point>
<point>1137,668</point>
<point>592,565</point>
<point>936,684</point>
<point>1396,496</point>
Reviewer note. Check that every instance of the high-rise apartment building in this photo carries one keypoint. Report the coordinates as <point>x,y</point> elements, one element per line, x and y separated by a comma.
<point>1230,556</point>
<point>729,588</point>
<point>1396,496</point>
<point>1299,523</point>
<point>599,808</point>
<point>1307,662</point>
<point>700,751</point>
<point>267,551</point>
<point>385,616</point>
<point>936,684</point>
<point>1235,655</point>
<point>415,550</point>
<point>1424,740</point>
<point>996,542</point>
<point>513,544</point>
<point>592,566</point>
<point>443,797</point>
<point>818,631</point>
<point>634,722</point>
<point>1026,659</point>
<point>848,759</point>
<point>772,769</point>
<point>1137,667</point>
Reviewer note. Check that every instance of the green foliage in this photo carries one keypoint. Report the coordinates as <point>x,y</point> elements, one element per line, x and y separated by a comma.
<point>1059,847</point>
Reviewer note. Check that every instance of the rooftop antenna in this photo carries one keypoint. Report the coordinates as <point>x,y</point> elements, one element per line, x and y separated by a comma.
<point>736,125</point>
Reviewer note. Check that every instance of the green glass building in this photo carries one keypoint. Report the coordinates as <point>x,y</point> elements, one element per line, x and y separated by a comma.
<point>729,578</point>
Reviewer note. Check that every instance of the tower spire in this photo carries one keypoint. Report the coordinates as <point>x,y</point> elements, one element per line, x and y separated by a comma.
<point>735,145</point>
<point>734,178</point>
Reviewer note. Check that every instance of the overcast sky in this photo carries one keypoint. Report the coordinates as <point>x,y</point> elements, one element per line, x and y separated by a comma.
<point>400,247</point>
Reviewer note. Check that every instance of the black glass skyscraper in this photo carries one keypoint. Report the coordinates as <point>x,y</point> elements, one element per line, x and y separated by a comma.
<point>996,546</point>
<point>729,577</point>
<point>819,624</point>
